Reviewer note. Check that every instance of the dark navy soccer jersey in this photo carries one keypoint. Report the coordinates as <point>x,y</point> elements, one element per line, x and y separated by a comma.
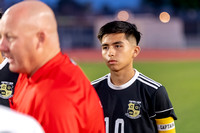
<point>8,80</point>
<point>134,106</point>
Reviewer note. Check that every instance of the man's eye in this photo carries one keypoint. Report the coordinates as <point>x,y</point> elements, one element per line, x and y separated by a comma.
<point>10,38</point>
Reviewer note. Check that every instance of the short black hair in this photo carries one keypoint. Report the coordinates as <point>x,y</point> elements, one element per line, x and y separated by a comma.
<point>1,13</point>
<point>120,27</point>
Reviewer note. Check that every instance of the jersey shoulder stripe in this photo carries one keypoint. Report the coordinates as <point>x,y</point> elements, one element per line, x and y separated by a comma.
<point>99,79</point>
<point>157,112</point>
<point>164,110</point>
<point>3,64</point>
<point>148,81</point>
<point>151,80</point>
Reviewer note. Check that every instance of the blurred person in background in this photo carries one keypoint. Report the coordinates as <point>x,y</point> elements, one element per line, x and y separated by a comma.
<point>15,122</point>
<point>132,102</point>
<point>50,87</point>
<point>8,80</point>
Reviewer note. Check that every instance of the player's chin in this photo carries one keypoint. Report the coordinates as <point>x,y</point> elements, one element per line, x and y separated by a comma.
<point>113,68</point>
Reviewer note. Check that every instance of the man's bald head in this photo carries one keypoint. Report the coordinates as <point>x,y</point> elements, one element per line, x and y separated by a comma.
<point>32,27</point>
<point>33,12</point>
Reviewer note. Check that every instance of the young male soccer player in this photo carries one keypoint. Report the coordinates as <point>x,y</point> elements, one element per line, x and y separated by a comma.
<point>132,102</point>
<point>8,80</point>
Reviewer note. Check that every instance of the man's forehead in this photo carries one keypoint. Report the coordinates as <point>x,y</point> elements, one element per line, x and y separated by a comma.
<point>3,23</point>
<point>7,25</point>
<point>5,19</point>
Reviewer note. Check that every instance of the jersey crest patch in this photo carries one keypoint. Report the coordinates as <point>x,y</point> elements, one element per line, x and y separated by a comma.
<point>133,110</point>
<point>6,89</point>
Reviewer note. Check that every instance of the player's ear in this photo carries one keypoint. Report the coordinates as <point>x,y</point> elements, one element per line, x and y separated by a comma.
<point>136,51</point>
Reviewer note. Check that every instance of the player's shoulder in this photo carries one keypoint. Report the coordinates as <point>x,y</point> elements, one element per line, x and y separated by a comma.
<point>4,64</point>
<point>143,79</point>
<point>99,80</point>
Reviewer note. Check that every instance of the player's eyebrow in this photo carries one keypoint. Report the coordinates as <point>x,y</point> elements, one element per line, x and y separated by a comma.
<point>118,42</point>
<point>105,44</point>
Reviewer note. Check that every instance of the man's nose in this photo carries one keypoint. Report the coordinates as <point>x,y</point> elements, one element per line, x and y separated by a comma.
<point>3,45</point>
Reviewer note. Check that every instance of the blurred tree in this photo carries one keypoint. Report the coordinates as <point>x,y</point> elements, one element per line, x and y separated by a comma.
<point>154,3</point>
<point>186,4</point>
<point>177,4</point>
<point>106,10</point>
<point>71,7</point>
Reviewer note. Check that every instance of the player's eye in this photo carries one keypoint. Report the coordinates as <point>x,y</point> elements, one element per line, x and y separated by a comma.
<point>118,46</point>
<point>105,47</point>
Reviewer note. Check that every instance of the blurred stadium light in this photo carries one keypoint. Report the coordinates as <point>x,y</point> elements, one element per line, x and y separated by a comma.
<point>123,15</point>
<point>164,17</point>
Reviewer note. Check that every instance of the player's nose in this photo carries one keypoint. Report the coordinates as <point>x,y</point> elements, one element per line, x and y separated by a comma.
<point>111,52</point>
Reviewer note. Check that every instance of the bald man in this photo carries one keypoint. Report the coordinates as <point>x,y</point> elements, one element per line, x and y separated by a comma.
<point>8,80</point>
<point>50,87</point>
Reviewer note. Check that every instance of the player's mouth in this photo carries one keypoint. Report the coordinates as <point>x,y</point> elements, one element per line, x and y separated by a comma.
<point>112,62</point>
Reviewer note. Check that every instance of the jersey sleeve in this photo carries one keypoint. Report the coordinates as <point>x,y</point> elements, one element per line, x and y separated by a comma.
<point>95,113</point>
<point>162,105</point>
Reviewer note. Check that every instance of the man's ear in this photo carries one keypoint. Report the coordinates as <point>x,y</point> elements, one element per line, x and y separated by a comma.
<point>41,38</point>
<point>136,51</point>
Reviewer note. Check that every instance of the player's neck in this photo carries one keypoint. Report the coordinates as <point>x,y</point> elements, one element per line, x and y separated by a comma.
<point>121,77</point>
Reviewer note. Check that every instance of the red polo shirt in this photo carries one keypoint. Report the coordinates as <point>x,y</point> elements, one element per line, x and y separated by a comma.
<point>60,97</point>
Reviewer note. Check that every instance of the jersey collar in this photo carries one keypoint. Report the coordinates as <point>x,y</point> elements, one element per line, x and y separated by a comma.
<point>124,86</point>
<point>44,70</point>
